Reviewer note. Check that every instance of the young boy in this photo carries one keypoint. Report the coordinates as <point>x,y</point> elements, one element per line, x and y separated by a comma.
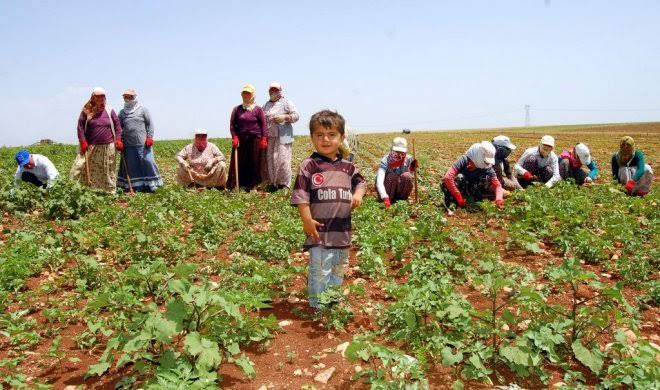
<point>327,188</point>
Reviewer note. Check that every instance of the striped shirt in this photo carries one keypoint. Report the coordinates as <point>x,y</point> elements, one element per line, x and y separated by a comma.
<point>328,187</point>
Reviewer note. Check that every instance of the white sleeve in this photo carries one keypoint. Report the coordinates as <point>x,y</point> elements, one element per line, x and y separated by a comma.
<point>51,171</point>
<point>17,175</point>
<point>518,167</point>
<point>555,171</point>
<point>380,183</point>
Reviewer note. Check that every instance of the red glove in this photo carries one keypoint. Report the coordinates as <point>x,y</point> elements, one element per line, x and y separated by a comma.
<point>83,147</point>
<point>386,202</point>
<point>499,203</point>
<point>413,165</point>
<point>263,144</point>
<point>527,176</point>
<point>149,142</point>
<point>629,185</point>
<point>234,141</point>
<point>119,145</point>
<point>460,201</point>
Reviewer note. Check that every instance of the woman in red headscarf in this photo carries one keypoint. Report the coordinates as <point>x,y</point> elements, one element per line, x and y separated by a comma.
<point>201,164</point>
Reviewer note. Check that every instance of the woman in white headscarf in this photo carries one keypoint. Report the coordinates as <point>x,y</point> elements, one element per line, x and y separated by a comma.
<point>470,177</point>
<point>280,113</point>
<point>138,138</point>
<point>539,164</point>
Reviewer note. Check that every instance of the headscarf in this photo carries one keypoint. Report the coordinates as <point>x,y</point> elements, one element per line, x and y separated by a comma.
<point>91,108</point>
<point>201,142</point>
<point>275,96</point>
<point>501,153</point>
<point>250,105</point>
<point>624,157</point>
<point>477,154</point>
<point>130,106</point>
<point>395,159</point>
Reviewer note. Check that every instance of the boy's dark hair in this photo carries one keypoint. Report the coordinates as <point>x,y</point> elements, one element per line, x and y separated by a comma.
<point>328,119</point>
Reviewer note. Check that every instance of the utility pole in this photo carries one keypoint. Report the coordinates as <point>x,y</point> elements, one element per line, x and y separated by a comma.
<point>528,120</point>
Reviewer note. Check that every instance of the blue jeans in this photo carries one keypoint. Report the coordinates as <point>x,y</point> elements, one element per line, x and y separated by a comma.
<point>326,268</point>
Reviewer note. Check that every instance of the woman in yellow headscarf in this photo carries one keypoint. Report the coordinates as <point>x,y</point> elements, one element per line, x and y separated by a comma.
<point>629,168</point>
<point>249,136</point>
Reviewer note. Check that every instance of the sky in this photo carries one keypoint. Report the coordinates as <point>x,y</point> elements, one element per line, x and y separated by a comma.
<point>384,65</point>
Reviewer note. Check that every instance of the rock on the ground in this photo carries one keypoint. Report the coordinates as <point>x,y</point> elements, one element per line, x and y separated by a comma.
<point>359,281</point>
<point>297,372</point>
<point>341,348</point>
<point>357,369</point>
<point>285,323</point>
<point>324,376</point>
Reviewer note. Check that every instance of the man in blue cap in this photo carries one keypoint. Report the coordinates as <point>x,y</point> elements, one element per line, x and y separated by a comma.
<point>35,168</point>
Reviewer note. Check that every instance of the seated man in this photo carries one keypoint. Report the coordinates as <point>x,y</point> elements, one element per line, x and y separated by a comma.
<point>35,168</point>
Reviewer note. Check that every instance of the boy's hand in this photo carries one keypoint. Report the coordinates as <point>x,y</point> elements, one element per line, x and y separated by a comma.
<point>357,201</point>
<point>310,228</point>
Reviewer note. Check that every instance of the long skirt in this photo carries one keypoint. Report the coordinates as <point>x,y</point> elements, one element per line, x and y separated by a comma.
<point>398,187</point>
<point>543,173</point>
<point>102,168</point>
<point>279,162</point>
<point>566,171</point>
<point>214,178</point>
<point>250,160</point>
<point>142,169</point>
<point>643,185</point>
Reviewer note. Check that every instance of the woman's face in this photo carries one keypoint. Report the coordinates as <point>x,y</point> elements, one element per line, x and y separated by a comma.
<point>96,99</point>
<point>247,96</point>
<point>545,150</point>
<point>626,149</point>
<point>128,98</point>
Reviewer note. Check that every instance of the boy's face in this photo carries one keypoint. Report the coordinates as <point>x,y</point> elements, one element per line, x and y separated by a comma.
<point>326,141</point>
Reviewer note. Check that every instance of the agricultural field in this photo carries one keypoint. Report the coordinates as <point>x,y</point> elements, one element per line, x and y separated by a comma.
<point>196,289</point>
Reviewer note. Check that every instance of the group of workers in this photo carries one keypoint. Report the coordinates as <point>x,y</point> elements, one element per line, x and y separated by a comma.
<point>262,138</point>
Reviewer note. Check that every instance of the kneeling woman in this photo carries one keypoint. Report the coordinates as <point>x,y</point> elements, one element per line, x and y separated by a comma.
<point>539,164</point>
<point>394,180</point>
<point>629,168</point>
<point>571,163</point>
<point>201,163</point>
<point>470,177</point>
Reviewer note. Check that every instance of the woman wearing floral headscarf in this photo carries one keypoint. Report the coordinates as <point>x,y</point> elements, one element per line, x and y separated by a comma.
<point>629,168</point>
<point>201,164</point>
<point>280,113</point>
<point>249,136</point>
<point>99,134</point>
<point>470,177</point>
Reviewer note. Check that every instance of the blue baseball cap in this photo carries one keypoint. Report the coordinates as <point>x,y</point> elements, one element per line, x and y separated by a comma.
<point>22,157</point>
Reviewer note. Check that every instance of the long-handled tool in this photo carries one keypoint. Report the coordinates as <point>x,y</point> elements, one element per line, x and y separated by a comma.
<point>89,178</point>
<point>415,173</point>
<point>128,177</point>
<point>238,189</point>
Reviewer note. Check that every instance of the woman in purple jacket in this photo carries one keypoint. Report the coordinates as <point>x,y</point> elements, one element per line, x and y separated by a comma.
<point>99,135</point>
<point>249,136</point>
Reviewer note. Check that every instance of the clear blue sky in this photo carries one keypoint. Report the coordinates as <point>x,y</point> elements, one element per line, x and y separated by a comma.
<point>384,65</point>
